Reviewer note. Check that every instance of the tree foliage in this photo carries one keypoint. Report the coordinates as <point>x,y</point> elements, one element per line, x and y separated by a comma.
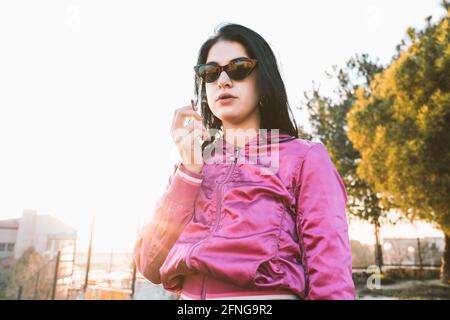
<point>400,122</point>
<point>329,123</point>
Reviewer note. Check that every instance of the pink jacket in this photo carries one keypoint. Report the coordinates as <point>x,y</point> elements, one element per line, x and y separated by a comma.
<point>285,231</point>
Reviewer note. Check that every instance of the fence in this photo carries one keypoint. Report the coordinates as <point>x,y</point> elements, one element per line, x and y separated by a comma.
<point>56,279</point>
<point>51,281</point>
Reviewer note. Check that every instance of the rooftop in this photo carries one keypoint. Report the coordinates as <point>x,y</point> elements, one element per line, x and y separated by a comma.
<point>9,224</point>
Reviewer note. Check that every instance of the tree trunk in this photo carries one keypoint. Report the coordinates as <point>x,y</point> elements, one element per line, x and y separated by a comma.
<point>419,252</point>
<point>378,249</point>
<point>445,265</point>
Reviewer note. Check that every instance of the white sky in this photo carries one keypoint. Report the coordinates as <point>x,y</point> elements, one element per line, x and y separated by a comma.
<point>88,89</point>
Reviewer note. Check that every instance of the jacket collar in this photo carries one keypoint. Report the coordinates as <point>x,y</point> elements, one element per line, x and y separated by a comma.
<point>265,139</point>
<point>262,137</point>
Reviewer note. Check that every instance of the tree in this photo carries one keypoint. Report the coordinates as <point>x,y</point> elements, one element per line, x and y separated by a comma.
<point>329,123</point>
<point>28,263</point>
<point>362,255</point>
<point>399,124</point>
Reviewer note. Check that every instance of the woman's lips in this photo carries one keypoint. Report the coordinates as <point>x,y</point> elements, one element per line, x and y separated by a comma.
<point>226,100</point>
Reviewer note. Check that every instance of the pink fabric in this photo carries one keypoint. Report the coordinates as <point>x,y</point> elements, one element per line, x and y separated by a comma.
<point>286,231</point>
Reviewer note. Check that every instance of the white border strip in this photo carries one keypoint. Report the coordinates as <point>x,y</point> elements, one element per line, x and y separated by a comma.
<point>259,297</point>
<point>188,177</point>
<point>249,297</point>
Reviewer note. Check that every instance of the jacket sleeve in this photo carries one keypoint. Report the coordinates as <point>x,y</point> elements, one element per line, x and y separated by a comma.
<point>322,228</point>
<point>172,212</point>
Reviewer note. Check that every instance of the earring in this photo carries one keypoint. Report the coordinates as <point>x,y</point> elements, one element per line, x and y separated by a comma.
<point>261,101</point>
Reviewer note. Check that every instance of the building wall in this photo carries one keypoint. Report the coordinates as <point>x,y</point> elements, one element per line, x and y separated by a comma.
<point>7,236</point>
<point>25,232</point>
<point>36,230</point>
<point>405,251</point>
<point>48,228</point>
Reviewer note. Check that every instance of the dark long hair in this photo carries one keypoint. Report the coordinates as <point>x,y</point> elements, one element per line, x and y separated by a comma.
<point>275,111</point>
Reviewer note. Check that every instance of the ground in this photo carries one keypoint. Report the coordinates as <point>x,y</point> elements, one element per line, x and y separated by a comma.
<point>396,290</point>
<point>407,289</point>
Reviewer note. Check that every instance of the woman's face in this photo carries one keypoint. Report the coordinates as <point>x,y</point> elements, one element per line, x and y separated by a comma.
<point>243,109</point>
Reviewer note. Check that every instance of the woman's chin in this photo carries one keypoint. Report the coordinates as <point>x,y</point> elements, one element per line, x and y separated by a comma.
<point>230,117</point>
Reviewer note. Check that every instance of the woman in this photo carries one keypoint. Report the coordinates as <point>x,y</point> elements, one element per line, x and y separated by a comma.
<point>261,215</point>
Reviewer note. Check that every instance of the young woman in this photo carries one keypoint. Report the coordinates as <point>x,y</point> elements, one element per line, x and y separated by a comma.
<point>262,214</point>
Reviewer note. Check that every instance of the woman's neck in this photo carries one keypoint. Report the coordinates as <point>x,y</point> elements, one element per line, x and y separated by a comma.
<point>239,135</point>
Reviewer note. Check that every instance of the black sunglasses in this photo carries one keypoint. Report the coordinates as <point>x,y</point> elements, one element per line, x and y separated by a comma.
<point>237,69</point>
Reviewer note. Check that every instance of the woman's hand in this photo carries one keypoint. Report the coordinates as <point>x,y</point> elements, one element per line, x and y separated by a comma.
<point>188,138</point>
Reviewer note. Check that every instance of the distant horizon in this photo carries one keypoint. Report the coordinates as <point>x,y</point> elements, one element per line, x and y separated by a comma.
<point>428,230</point>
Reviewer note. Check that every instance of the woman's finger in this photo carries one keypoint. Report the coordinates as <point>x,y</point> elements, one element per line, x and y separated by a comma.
<point>181,114</point>
<point>180,133</point>
<point>177,111</point>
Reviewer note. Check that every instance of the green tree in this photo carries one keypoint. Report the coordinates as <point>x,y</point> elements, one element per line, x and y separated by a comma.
<point>399,124</point>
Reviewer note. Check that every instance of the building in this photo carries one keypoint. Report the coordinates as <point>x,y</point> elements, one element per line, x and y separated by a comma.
<point>45,233</point>
<point>8,235</point>
<point>48,236</point>
<point>398,251</point>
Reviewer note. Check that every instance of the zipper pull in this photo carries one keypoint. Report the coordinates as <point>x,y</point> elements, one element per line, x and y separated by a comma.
<point>237,154</point>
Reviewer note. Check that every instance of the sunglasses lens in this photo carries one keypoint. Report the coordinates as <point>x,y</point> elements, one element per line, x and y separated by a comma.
<point>236,70</point>
<point>209,73</point>
<point>240,69</point>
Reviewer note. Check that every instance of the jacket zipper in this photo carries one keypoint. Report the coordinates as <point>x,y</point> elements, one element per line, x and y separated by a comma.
<point>203,293</point>
<point>219,193</point>
<point>219,207</point>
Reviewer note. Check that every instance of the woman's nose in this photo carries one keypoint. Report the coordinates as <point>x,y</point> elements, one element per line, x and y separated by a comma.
<point>224,80</point>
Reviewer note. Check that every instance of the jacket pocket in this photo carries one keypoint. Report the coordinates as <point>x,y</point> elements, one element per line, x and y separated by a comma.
<point>281,273</point>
